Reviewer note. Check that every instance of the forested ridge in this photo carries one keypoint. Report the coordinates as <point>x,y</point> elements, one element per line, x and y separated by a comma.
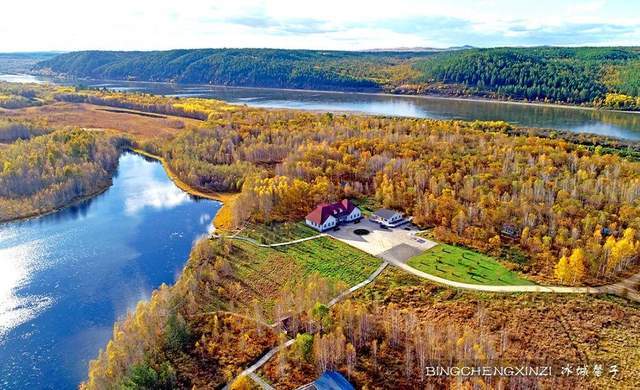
<point>596,76</point>
<point>305,69</point>
<point>590,76</point>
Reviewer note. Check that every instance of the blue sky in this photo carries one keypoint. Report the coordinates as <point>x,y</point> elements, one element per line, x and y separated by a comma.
<point>330,24</point>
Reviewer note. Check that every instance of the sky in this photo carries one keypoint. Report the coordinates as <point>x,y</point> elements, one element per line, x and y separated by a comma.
<point>66,25</point>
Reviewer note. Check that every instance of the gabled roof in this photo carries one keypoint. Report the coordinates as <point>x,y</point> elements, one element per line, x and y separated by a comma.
<point>386,213</point>
<point>347,206</point>
<point>332,380</point>
<point>325,210</point>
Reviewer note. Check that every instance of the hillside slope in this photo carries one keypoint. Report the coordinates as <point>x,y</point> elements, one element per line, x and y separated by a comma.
<point>569,75</point>
<point>305,69</point>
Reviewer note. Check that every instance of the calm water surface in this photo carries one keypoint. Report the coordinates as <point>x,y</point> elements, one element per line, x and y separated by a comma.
<point>66,277</point>
<point>615,124</point>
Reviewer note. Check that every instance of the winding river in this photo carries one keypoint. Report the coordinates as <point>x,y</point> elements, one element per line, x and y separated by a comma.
<point>66,277</point>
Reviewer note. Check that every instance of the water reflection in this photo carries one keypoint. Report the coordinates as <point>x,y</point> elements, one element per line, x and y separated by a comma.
<point>148,191</point>
<point>66,277</point>
<point>18,265</point>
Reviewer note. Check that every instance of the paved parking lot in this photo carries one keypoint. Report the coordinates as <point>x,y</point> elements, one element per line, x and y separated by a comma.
<point>394,244</point>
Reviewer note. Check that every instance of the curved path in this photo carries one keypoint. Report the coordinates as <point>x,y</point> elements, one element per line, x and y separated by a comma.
<point>627,288</point>
<point>250,371</point>
<point>624,288</point>
<point>256,243</point>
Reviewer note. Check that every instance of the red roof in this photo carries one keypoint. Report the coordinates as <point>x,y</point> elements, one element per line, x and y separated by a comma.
<point>324,210</point>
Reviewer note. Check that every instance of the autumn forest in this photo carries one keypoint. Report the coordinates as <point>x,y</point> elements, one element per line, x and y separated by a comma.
<point>555,208</point>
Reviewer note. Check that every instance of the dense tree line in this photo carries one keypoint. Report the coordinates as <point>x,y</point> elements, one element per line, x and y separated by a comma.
<point>618,101</point>
<point>306,69</point>
<point>625,79</point>
<point>11,130</point>
<point>50,171</point>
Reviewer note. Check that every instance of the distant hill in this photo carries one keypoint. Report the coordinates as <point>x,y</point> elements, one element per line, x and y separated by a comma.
<point>22,62</point>
<point>420,49</point>
<point>605,76</point>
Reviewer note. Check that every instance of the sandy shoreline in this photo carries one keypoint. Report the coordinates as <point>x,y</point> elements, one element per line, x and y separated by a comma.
<point>227,199</point>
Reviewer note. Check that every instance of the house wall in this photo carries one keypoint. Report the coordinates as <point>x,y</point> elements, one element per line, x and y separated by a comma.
<point>328,224</point>
<point>355,214</point>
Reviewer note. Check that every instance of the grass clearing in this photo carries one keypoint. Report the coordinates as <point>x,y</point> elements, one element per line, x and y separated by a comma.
<point>263,272</point>
<point>463,265</point>
<point>332,259</point>
<point>278,232</point>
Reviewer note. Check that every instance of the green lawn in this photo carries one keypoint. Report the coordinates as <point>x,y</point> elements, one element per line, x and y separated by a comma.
<point>463,265</point>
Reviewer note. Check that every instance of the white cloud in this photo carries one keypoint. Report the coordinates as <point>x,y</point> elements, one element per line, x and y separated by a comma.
<point>331,24</point>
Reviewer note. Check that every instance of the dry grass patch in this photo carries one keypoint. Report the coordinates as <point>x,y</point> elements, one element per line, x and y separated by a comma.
<point>90,116</point>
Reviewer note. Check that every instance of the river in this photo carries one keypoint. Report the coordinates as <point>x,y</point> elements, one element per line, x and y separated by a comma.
<point>66,277</point>
<point>624,125</point>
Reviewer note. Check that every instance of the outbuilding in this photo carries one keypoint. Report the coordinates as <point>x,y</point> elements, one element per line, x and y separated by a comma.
<point>388,218</point>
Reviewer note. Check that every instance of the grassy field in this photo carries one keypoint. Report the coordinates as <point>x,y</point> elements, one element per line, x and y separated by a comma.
<point>278,232</point>
<point>463,265</point>
<point>263,272</point>
<point>330,258</point>
<point>95,117</point>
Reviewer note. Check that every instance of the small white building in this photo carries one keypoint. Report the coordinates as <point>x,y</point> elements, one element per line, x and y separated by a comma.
<point>330,215</point>
<point>389,218</point>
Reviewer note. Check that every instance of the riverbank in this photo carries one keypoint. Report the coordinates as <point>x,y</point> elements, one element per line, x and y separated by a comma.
<point>381,92</point>
<point>73,202</point>
<point>224,216</point>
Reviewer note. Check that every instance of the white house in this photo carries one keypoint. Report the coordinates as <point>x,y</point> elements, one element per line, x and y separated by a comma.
<point>327,216</point>
<point>389,218</point>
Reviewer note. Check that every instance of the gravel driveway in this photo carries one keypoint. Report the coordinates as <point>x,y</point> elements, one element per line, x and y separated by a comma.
<point>395,244</point>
